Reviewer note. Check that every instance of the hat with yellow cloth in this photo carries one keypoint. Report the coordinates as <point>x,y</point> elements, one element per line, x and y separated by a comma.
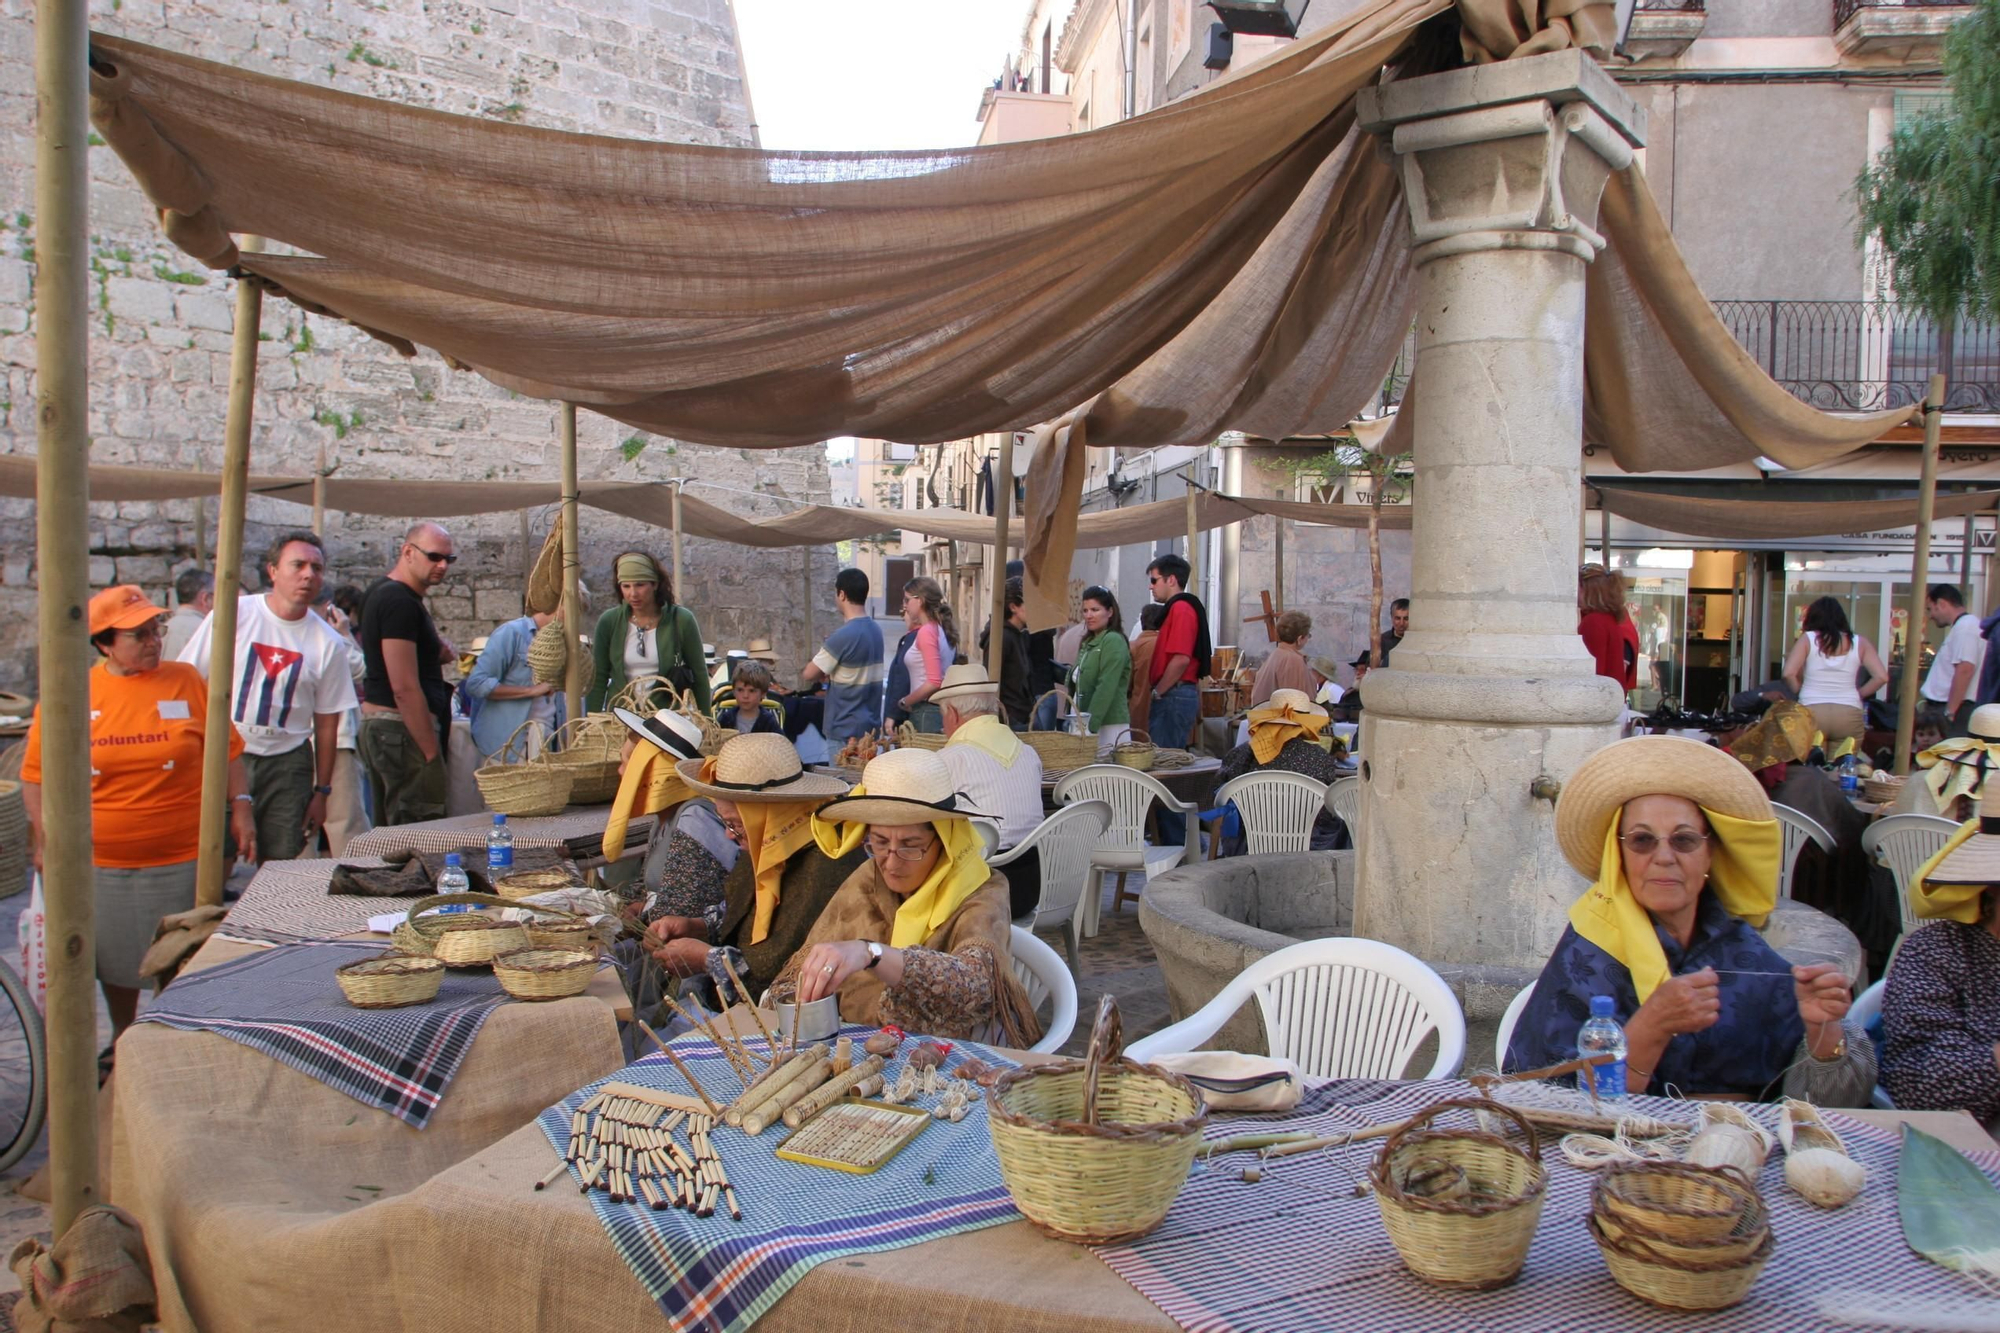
<point>758,767</point>
<point>907,786</point>
<point>1949,885</point>
<point>675,733</point>
<point>1649,766</point>
<point>1958,766</point>
<point>1297,700</point>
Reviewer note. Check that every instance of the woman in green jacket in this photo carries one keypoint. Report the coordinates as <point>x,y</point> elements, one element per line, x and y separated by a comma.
<point>1103,662</point>
<point>646,634</point>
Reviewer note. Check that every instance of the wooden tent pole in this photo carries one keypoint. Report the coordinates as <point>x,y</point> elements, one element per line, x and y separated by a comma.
<point>319,491</point>
<point>1194,538</point>
<point>1003,503</point>
<point>806,586</point>
<point>62,549</point>
<point>1920,573</point>
<point>679,483</point>
<point>201,532</point>
<point>572,603</point>
<point>1603,530</point>
<point>213,866</point>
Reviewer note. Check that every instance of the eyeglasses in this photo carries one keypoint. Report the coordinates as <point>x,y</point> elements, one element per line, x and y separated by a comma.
<point>151,633</point>
<point>434,557</point>
<point>877,848</point>
<point>1684,843</point>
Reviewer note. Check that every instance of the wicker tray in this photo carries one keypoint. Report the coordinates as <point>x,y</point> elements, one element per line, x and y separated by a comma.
<point>527,883</point>
<point>1461,1206</point>
<point>1095,1151</point>
<point>544,974</point>
<point>390,981</point>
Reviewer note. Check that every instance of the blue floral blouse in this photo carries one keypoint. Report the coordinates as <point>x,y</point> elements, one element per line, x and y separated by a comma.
<point>1745,1054</point>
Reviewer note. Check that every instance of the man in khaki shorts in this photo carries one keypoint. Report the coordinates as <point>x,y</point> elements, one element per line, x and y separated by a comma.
<point>405,700</point>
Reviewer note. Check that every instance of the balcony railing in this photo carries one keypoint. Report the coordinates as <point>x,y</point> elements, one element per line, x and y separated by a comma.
<point>1839,356</point>
<point>1844,10</point>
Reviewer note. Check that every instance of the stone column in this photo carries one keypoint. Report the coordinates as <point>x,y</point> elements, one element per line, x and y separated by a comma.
<point>1503,166</point>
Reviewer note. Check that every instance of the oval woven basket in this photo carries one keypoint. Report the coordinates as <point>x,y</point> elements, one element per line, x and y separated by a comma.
<point>1675,1284</point>
<point>548,653</point>
<point>1095,1151</point>
<point>566,933</point>
<point>591,750</point>
<point>526,789</point>
<point>1136,753</point>
<point>1460,1205</point>
<point>1674,1200</point>
<point>390,981</point>
<point>1738,1246</point>
<point>545,974</point>
<point>545,580</point>
<point>1882,788</point>
<point>1060,749</point>
<point>527,883</point>
<point>422,935</point>
<point>475,941</point>
<point>13,839</point>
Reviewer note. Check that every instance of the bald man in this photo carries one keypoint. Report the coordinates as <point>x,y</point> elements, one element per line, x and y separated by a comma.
<point>405,701</point>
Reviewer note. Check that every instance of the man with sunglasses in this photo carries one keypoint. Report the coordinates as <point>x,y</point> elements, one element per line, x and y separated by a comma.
<point>405,700</point>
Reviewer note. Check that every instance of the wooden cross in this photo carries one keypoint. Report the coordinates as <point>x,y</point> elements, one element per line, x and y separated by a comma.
<point>1269,619</point>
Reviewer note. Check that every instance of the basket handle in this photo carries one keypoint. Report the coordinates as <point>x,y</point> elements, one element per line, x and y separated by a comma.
<point>423,905</point>
<point>1138,736</point>
<point>1431,1112</point>
<point>498,759</point>
<point>1107,1043</point>
<point>638,689</point>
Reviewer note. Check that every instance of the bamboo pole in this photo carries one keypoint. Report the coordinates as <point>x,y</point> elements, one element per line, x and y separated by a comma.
<point>806,585</point>
<point>572,603</point>
<point>319,492</point>
<point>62,294</point>
<point>213,866</point>
<point>680,483</point>
<point>1920,570</point>
<point>1278,564</point>
<point>1194,538</point>
<point>1003,502</point>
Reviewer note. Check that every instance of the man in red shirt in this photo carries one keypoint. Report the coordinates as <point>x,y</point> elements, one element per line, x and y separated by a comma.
<point>1180,658</point>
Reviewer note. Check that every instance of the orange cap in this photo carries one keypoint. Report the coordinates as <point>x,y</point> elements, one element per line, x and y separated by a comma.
<point>122,607</point>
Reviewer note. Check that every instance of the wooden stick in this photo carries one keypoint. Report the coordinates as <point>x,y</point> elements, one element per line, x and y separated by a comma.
<point>761,1119</point>
<point>735,1212</point>
<point>550,1178</point>
<point>743,991</point>
<point>790,1072</point>
<point>658,1098</point>
<point>827,1094</point>
<point>685,1072</point>
<point>729,1052</point>
<point>739,1055</point>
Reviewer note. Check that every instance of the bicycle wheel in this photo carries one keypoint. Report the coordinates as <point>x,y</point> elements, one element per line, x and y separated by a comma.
<point>24,1070</point>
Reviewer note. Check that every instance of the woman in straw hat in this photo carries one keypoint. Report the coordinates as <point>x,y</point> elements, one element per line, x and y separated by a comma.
<point>780,884</point>
<point>918,936</point>
<point>646,634</point>
<point>1285,735</point>
<point>1683,848</point>
<point>1941,1005</point>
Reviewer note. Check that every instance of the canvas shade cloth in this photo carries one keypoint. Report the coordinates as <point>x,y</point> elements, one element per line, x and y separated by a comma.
<point>1773,520</point>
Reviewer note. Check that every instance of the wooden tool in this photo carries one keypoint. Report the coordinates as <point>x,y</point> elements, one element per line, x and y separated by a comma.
<point>756,1014</point>
<point>685,1072</point>
<point>671,1100</point>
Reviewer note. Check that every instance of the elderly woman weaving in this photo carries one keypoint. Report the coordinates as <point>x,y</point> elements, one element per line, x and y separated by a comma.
<point>918,937</point>
<point>1683,848</point>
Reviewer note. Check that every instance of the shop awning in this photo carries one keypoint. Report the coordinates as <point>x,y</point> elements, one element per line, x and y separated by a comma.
<point>1777,519</point>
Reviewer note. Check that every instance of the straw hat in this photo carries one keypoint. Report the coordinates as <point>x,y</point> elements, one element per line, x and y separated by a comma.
<point>906,786</point>
<point>1326,666</point>
<point>1649,766</point>
<point>759,768</point>
<point>675,733</point>
<point>1296,700</point>
<point>1974,863</point>
<point>964,679</point>
<point>761,650</point>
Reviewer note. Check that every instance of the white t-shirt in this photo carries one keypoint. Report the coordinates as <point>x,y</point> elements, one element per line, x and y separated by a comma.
<point>286,671</point>
<point>642,651</point>
<point>1961,644</point>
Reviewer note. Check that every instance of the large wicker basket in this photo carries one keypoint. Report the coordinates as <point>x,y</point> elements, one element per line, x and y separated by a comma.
<point>591,748</point>
<point>1095,1151</point>
<point>1060,749</point>
<point>1460,1205</point>
<point>545,580</point>
<point>532,787</point>
<point>545,974</point>
<point>427,935</point>
<point>13,839</point>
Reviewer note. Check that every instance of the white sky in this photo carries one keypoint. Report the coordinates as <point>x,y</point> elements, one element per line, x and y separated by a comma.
<point>877,74</point>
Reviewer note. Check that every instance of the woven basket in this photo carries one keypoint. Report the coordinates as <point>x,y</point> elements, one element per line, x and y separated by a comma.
<point>1095,1151</point>
<point>391,981</point>
<point>1882,788</point>
<point>1674,1200</point>
<point>1675,1284</point>
<point>591,749</point>
<point>1737,1247</point>
<point>909,738</point>
<point>11,759</point>
<point>545,974</point>
<point>532,787</point>
<point>1139,754</point>
<point>545,580</point>
<point>572,933</point>
<point>548,653</point>
<point>1461,1205</point>
<point>14,838</point>
<point>425,935</point>
<point>527,883</point>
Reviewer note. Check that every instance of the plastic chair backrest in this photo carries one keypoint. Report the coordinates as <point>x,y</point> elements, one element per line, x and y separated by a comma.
<point>1798,828</point>
<point>1044,977</point>
<point>1278,809</point>
<point>1063,842</point>
<point>1343,802</point>
<point>1508,1019</point>
<point>1902,843</point>
<point>1127,791</point>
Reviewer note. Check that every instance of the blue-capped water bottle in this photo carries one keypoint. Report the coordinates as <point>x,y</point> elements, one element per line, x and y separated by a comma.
<point>1602,1036</point>
<point>499,850</point>
<point>1850,776</point>
<point>453,880</point>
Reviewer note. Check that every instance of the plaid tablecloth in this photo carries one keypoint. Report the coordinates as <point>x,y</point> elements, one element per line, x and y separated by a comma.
<point>715,1274</point>
<point>580,828</point>
<point>287,902</point>
<point>1300,1250</point>
<point>287,1003</point>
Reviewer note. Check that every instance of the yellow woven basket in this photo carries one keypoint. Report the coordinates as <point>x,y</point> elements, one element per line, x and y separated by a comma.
<point>1675,1284</point>
<point>526,789</point>
<point>1136,751</point>
<point>1460,1206</point>
<point>391,981</point>
<point>571,933</point>
<point>1095,1151</point>
<point>548,653</point>
<point>909,738</point>
<point>458,939</point>
<point>545,974</point>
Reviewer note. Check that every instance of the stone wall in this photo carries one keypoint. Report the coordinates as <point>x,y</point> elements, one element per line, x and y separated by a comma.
<point>656,69</point>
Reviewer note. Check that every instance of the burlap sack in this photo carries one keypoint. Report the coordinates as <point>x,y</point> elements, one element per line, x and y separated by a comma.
<point>95,1280</point>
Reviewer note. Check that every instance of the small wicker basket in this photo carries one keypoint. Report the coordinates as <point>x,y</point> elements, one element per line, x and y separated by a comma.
<point>567,933</point>
<point>527,883</point>
<point>548,653</point>
<point>390,981</point>
<point>1136,751</point>
<point>545,974</point>
<point>1461,1205</point>
<point>1095,1151</point>
<point>1678,1273</point>
<point>1882,788</point>
<point>459,939</point>
<point>1674,1200</point>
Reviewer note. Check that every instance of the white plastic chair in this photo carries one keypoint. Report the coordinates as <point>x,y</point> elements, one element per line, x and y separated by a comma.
<point>1044,977</point>
<point>1123,848</point>
<point>1063,841</point>
<point>1902,843</point>
<point>1799,828</point>
<point>1340,1008</point>
<point>989,835</point>
<point>1343,802</point>
<point>1866,1008</point>
<point>1277,809</point>
<point>1508,1020</point>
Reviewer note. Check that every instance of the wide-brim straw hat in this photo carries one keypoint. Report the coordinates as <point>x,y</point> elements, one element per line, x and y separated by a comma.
<point>1649,766</point>
<point>761,650</point>
<point>1296,700</point>
<point>967,678</point>
<point>1984,722</point>
<point>1326,666</point>
<point>675,733</point>
<point>760,768</point>
<point>1976,861</point>
<point>906,786</point>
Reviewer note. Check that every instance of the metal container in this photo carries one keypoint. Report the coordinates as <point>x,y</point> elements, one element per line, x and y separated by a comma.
<point>818,1021</point>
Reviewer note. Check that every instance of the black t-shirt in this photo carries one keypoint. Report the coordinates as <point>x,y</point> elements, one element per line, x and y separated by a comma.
<point>392,611</point>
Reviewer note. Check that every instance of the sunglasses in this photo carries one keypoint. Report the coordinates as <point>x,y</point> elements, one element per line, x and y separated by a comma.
<point>1684,843</point>
<point>433,556</point>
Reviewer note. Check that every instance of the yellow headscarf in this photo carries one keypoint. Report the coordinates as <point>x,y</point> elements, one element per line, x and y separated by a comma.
<point>960,873</point>
<point>1948,902</point>
<point>773,830</point>
<point>992,735</point>
<point>1957,767</point>
<point>646,785</point>
<point>1272,726</point>
<point>1742,873</point>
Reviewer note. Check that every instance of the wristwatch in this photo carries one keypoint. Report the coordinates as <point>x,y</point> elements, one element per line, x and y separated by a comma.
<point>323,791</point>
<point>875,952</point>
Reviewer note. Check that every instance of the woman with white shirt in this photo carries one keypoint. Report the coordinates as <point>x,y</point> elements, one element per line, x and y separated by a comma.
<point>934,648</point>
<point>1822,667</point>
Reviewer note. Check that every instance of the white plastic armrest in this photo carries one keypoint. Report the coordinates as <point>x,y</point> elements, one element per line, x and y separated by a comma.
<point>1192,827</point>
<point>1008,857</point>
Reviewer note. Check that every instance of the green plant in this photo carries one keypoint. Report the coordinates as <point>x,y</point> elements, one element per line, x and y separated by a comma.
<point>341,424</point>
<point>304,342</point>
<point>186,279</point>
<point>369,58</point>
<point>94,139</point>
<point>633,446</point>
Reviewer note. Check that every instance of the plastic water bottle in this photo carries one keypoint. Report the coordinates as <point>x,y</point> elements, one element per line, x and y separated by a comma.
<point>499,849</point>
<point>1850,776</point>
<point>1602,1036</point>
<point>453,880</point>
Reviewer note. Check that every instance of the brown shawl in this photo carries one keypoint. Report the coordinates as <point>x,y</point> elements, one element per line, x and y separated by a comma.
<point>809,884</point>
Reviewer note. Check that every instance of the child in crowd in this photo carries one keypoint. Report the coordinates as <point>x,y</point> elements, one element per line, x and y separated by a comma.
<point>747,710</point>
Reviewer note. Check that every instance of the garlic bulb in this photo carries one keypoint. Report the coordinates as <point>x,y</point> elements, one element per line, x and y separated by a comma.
<point>1729,1145</point>
<point>1824,1177</point>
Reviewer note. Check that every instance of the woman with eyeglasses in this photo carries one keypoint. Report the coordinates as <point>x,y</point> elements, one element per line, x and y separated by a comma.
<point>1683,849</point>
<point>647,634</point>
<point>147,720</point>
<point>918,937</point>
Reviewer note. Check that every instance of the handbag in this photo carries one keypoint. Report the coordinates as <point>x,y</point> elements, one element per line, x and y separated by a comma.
<point>680,675</point>
<point>32,934</point>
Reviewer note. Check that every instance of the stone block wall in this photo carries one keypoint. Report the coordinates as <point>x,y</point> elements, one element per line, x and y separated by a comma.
<point>159,353</point>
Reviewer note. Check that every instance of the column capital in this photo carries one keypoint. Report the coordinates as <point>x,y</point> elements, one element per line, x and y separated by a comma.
<point>1511,155</point>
